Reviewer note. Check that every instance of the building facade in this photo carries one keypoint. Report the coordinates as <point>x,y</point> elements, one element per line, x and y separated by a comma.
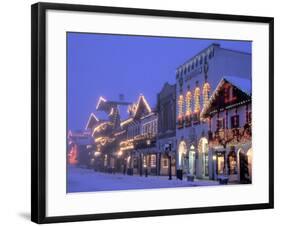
<point>196,80</point>
<point>80,147</point>
<point>137,146</point>
<point>166,137</point>
<point>229,115</point>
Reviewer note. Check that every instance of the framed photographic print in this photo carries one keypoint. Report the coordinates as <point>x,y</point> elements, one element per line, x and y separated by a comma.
<point>139,112</point>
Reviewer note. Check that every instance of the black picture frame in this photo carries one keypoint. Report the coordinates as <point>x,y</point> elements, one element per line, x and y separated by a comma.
<point>38,111</point>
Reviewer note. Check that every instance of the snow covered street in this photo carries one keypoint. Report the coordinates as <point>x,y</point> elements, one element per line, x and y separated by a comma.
<point>86,180</point>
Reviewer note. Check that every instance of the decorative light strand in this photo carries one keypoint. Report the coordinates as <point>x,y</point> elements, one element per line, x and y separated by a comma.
<point>197,100</point>
<point>188,103</point>
<point>206,94</point>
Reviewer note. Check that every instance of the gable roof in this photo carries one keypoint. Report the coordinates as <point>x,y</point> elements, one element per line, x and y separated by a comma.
<point>91,121</point>
<point>242,84</point>
<point>142,107</point>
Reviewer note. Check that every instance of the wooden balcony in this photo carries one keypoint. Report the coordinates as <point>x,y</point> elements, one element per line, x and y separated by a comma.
<point>231,136</point>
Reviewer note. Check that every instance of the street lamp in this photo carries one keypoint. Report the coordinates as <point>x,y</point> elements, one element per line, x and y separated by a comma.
<point>168,151</point>
<point>213,165</point>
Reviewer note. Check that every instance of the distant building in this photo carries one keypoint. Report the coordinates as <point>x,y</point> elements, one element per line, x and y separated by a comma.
<point>138,142</point>
<point>80,145</point>
<point>166,137</point>
<point>196,80</point>
<point>104,157</point>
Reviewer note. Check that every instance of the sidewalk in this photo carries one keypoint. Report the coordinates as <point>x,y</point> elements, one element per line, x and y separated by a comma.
<point>86,180</point>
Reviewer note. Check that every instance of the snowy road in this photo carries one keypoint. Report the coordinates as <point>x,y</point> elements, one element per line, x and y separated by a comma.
<point>85,180</point>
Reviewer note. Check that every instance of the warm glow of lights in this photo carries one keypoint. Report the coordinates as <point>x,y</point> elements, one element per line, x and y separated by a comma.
<point>97,153</point>
<point>141,97</point>
<point>91,116</point>
<point>100,100</point>
<point>100,127</point>
<point>203,145</point>
<point>111,112</point>
<point>120,133</point>
<point>197,100</point>
<point>72,155</point>
<point>104,140</point>
<point>206,93</point>
<point>126,121</point>
<point>126,145</point>
<point>180,105</point>
<point>120,153</point>
<point>126,142</point>
<point>101,140</point>
<point>132,109</point>
<point>188,103</point>
<point>250,152</point>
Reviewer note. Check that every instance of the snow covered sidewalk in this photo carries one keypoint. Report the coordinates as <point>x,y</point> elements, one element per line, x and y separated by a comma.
<point>86,180</point>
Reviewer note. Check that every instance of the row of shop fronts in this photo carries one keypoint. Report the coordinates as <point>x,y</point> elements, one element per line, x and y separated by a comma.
<point>189,134</point>
<point>233,163</point>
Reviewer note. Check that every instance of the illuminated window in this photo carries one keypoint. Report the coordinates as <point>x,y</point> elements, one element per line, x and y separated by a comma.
<point>165,163</point>
<point>206,93</point>
<point>144,162</point>
<point>220,123</point>
<point>235,121</point>
<point>232,163</point>
<point>105,161</point>
<point>153,161</point>
<point>220,164</point>
<point>249,117</point>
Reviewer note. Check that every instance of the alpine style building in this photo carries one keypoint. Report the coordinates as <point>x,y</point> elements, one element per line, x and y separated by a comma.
<point>199,129</point>
<point>197,80</point>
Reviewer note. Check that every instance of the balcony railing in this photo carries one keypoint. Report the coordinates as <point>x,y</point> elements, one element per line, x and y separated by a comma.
<point>233,135</point>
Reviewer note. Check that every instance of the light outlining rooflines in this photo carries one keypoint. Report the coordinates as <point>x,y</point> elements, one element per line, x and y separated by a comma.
<point>126,121</point>
<point>97,128</point>
<point>100,100</point>
<point>211,98</point>
<point>111,112</point>
<point>89,120</point>
<point>141,97</point>
<point>215,93</point>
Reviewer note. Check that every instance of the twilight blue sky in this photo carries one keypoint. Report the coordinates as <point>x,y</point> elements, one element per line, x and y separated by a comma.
<point>109,65</point>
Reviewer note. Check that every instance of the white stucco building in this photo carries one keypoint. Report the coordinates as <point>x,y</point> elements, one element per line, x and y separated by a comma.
<point>196,80</point>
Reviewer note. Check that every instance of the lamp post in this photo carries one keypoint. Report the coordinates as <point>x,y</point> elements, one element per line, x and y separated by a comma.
<point>168,151</point>
<point>214,168</point>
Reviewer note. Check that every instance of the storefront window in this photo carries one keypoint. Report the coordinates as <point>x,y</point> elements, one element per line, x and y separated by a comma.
<point>206,163</point>
<point>153,160</point>
<point>105,160</point>
<point>220,160</point>
<point>191,162</point>
<point>232,163</point>
<point>135,163</point>
<point>220,123</point>
<point>165,163</point>
<point>144,161</point>
<point>235,121</point>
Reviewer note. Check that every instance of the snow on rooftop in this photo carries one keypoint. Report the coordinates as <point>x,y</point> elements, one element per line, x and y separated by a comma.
<point>242,83</point>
